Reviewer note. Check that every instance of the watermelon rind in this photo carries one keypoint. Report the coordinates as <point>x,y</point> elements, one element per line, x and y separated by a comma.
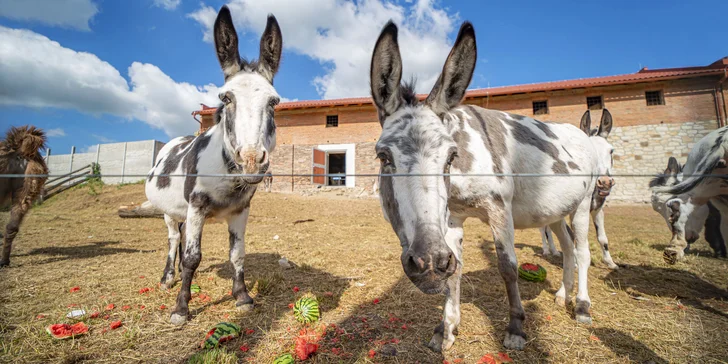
<point>80,328</point>
<point>538,275</point>
<point>222,332</point>
<point>286,358</point>
<point>306,310</point>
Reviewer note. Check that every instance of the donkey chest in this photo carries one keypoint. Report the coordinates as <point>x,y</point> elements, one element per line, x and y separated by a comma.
<point>221,203</point>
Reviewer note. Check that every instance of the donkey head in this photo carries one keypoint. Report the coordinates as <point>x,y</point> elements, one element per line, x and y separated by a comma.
<point>415,140</point>
<point>248,96</point>
<point>604,150</point>
<point>670,177</point>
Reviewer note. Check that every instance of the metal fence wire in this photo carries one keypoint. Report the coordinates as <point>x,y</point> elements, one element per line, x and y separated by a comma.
<point>222,175</point>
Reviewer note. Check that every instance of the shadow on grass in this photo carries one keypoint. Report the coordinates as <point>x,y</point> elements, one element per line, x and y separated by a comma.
<point>272,289</point>
<point>689,251</point>
<point>408,316</point>
<point>667,282</point>
<point>91,250</point>
<point>625,346</point>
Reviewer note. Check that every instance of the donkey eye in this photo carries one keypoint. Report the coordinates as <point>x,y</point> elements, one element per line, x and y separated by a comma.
<point>451,158</point>
<point>384,159</point>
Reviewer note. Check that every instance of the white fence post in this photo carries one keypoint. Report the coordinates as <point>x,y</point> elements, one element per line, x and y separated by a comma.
<point>48,155</point>
<point>123,164</point>
<point>98,150</point>
<point>70,163</point>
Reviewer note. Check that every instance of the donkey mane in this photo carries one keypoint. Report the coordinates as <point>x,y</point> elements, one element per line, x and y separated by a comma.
<point>407,91</point>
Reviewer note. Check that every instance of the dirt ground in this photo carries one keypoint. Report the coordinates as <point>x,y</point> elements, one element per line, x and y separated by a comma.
<point>348,256</point>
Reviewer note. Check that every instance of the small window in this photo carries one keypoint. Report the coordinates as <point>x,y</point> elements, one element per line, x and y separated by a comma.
<point>332,121</point>
<point>654,98</point>
<point>594,103</point>
<point>540,107</point>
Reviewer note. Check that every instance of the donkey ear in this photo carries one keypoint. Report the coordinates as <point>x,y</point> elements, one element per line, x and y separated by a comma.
<point>673,167</point>
<point>605,126</point>
<point>585,124</point>
<point>450,87</point>
<point>271,47</point>
<point>385,73</point>
<point>226,43</point>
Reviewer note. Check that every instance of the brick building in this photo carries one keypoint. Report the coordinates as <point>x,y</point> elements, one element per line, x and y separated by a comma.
<point>657,113</point>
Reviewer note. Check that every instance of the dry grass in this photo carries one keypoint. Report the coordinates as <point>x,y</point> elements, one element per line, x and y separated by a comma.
<point>646,311</point>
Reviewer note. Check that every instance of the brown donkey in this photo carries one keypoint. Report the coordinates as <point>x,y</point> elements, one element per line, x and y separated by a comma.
<point>20,154</point>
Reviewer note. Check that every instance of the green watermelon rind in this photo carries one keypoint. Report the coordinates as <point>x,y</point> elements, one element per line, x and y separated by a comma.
<point>286,358</point>
<point>532,276</point>
<point>306,310</point>
<point>223,331</point>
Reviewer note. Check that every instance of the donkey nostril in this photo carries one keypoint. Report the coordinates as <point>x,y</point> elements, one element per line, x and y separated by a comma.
<point>261,157</point>
<point>414,265</point>
<point>445,263</point>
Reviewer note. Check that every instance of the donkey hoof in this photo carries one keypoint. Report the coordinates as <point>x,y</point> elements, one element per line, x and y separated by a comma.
<point>178,319</point>
<point>584,319</point>
<point>244,307</point>
<point>612,266</point>
<point>4,263</point>
<point>514,342</point>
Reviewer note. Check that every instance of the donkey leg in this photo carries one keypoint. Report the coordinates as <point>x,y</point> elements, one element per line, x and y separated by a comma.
<point>173,238</point>
<point>598,216</point>
<point>445,332</point>
<point>236,228</point>
<point>11,230</point>
<point>193,255</point>
<point>679,212</point>
<point>181,246</point>
<point>580,225</point>
<point>503,234</point>
<point>567,248</point>
<point>547,242</point>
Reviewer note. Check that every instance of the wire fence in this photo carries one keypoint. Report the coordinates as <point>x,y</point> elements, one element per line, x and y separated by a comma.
<point>234,175</point>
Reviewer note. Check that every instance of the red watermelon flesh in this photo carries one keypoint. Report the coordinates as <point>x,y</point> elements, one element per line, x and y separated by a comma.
<point>64,331</point>
<point>529,266</point>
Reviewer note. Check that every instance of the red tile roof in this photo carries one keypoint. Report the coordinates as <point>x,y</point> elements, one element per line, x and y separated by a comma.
<point>719,67</point>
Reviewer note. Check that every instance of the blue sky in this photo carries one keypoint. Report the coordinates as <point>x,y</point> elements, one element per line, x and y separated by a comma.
<point>95,71</point>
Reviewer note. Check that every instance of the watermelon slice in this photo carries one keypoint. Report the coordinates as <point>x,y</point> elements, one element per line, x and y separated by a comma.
<point>532,272</point>
<point>65,331</point>
<point>194,288</point>
<point>222,332</point>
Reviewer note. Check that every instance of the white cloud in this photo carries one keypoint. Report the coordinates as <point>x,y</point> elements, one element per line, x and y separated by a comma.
<point>341,36</point>
<point>103,139</point>
<point>57,132</point>
<point>38,72</point>
<point>167,4</point>
<point>89,149</point>
<point>63,13</point>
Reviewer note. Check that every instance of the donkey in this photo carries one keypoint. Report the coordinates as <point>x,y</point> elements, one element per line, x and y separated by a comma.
<point>603,188</point>
<point>239,144</point>
<point>437,143</point>
<point>704,217</point>
<point>19,154</point>
<point>707,180</point>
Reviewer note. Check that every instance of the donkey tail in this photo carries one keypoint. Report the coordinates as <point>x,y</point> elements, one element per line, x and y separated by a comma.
<point>26,141</point>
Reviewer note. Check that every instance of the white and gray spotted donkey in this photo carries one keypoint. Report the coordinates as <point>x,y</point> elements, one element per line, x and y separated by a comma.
<point>605,182</point>
<point>437,143</point>
<point>239,144</point>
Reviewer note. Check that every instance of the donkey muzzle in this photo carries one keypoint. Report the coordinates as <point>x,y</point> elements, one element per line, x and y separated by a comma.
<point>254,162</point>
<point>429,267</point>
<point>604,185</point>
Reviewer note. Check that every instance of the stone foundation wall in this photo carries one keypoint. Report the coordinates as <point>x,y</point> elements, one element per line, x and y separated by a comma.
<point>645,149</point>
